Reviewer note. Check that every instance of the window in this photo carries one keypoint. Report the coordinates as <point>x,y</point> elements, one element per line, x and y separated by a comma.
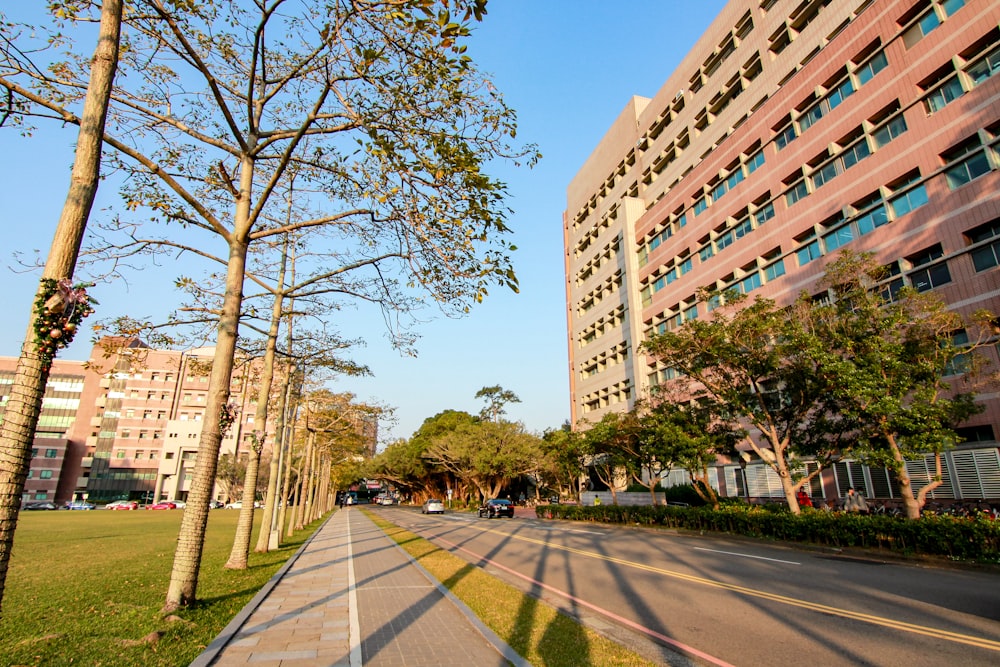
<point>687,265</point>
<point>763,214</point>
<point>985,67</point>
<point>754,162</point>
<point>929,275</point>
<point>796,192</point>
<point>987,256</point>
<point>949,91</point>
<point>785,136</point>
<point>867,71</point>
<point>750,283</point>
<point>34,452</point>
<point>700,205</point>
<point>724,241</point>
<point>51,453</point>
<point>808,253</point>
<point>889,131</point>
<point>973,163</point>
<point>706,252</point>
<point>45,474</point>
<point>838,238</point>
<point>775,270</point>
<point>825,174</point>
<point>908,201</point>
<point>742,228</point>
<point>872,220</point>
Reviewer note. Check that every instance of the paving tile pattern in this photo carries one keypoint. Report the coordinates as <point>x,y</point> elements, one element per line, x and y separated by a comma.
<point>400,618</point>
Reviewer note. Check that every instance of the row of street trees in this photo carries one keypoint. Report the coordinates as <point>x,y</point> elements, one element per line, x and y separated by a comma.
<point>359,130</point>
<point>867,371</point>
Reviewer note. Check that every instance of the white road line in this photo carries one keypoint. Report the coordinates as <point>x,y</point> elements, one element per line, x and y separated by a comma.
<point>733,553</point>
<point>352,603</point>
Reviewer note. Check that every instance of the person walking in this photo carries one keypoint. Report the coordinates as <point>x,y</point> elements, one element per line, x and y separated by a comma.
<point>855,502</point>
<point>803,499</point>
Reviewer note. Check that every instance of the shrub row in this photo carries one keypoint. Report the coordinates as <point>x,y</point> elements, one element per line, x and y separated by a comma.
<point>959,538</point>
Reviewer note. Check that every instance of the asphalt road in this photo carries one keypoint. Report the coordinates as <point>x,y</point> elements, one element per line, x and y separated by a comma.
<point>709,600</point>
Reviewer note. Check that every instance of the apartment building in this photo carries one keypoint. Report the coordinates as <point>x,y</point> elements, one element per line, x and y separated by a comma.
<point>792,129</point>
<point>60,439</point>
<point>127,423</point>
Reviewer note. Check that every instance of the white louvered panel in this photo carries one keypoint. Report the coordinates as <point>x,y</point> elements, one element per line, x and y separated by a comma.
<point>988,466</point>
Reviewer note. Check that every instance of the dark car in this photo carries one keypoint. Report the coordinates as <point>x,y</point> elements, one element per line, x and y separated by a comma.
<point>496,507</point>
<point>40,506</point>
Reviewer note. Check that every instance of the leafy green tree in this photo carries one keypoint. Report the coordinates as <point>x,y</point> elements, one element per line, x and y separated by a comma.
<point>693,437</point>
<point>759,364</point>
<point>563,464</point>
<point>607,446</point>
<point>903,367</point>
<point>497,398</point>
<point>486,455</point>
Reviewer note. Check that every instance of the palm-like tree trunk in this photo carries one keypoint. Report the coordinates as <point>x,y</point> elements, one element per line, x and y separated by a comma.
<point>32,373</point>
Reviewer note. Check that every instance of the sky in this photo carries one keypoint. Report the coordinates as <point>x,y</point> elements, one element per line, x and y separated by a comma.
<point>568,67</point>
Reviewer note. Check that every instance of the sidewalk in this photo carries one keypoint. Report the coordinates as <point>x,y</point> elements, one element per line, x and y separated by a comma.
<point>351,598</point>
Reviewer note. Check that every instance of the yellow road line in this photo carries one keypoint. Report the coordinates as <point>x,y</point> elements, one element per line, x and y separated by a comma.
<point>935,633</point>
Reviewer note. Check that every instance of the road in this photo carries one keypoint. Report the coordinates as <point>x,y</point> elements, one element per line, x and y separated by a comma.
<point>722,601</point>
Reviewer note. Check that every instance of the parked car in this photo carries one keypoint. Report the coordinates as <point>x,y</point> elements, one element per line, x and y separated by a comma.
<point>79,505</point>
<point>41,505</point>
<point>432,506</point>
<point>496,507</point>
<point>238,505</point>
<point>179,504</point>
<point>122,505</point>
<point>215,504</point>
<point>162,505</point>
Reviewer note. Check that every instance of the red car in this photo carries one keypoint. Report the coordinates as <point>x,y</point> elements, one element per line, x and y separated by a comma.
<point>123,505</point>
<point>162,506</point>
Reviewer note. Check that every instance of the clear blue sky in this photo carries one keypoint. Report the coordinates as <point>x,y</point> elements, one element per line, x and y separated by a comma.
<point>568,67</point>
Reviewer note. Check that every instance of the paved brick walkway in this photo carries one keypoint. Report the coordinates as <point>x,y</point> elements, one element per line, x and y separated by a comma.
<point>351,598</point>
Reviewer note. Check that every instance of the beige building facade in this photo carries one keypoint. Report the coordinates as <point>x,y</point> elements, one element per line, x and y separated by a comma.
<point>793,129</point>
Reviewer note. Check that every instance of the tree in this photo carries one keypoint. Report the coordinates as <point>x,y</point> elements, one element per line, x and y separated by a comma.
<point>375,106</point>
<point>56,302</point>
<point>563,464</point>
<point>606,446</point>
<point>759,364</point>
<point>497,398</point>
<point>898,364</point>
<point>692,437</point>
<point>486,455</point>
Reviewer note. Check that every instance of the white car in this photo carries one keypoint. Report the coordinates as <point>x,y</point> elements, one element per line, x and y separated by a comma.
<point>432,506</point>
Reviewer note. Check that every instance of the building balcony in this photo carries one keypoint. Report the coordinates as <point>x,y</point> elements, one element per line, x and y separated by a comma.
<point>91,441</point>
<point>96,421</point>
<point>87,462</point>
<point>81,482</point>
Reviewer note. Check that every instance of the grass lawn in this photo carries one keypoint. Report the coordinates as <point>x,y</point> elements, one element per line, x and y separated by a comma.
<point>536,630</point>
<point>86,588</point>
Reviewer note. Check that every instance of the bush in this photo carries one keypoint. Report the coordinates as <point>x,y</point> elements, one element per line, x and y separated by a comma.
<point>959,538</point>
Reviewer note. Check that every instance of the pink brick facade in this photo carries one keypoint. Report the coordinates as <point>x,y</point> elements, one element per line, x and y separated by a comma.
<point>791,130</point>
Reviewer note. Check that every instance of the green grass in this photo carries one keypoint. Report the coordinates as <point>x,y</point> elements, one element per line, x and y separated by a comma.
<point>86,588</point>
<point>537,631</point>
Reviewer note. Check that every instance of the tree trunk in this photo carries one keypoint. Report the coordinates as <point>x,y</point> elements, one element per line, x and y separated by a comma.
<point>244,528</point>
<point>183,585</point>
<point>32,373</point>
<point>911,503</point>
<point>304,478</point>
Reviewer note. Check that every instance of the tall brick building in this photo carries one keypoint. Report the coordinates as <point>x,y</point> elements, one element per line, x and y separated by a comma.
<point>792,129</point>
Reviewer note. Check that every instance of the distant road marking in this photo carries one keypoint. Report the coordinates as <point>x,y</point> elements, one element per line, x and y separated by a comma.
<point>735,553</point>
<point>935,633</point>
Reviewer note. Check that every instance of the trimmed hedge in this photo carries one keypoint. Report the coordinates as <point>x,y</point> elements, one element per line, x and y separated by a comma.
<point>959,538</point>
